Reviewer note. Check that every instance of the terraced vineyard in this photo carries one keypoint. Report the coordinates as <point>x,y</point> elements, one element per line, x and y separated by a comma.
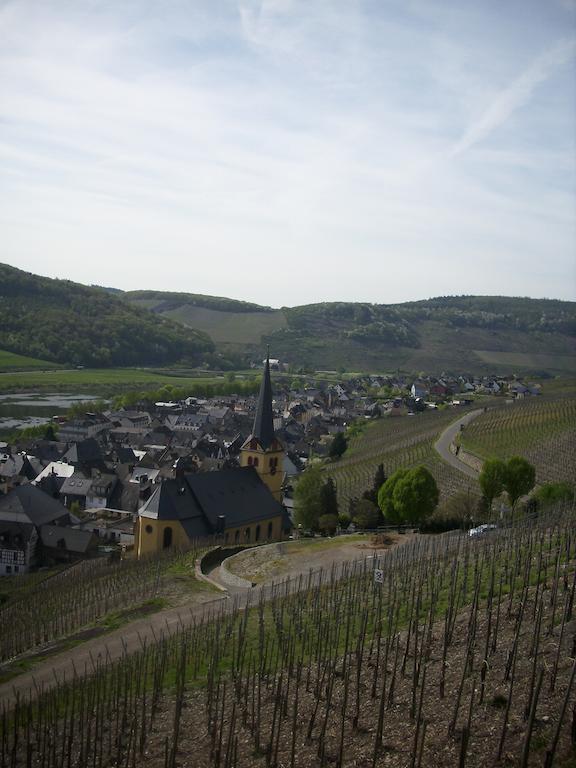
<point>396,443</point>
<point>543,431</point>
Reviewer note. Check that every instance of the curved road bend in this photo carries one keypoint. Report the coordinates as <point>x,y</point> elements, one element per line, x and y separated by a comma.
<point>442,445</point>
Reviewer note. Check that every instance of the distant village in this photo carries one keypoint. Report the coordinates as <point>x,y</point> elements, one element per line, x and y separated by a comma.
<point>82,494</point>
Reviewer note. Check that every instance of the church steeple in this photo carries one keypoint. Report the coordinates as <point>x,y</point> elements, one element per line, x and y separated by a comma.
<point>262,450</point>
<point>263,429</point>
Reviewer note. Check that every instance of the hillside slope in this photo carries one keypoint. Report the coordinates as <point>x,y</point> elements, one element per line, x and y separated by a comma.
<point>476,333</point>
<point>74,324</point>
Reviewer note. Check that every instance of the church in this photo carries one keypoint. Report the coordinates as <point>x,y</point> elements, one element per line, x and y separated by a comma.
<point>242,505</point>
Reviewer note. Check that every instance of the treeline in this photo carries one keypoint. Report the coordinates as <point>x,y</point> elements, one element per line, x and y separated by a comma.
<point>168,300</point>
<point>397,324</point>
<point>68,323</point>
<point>169,393</point>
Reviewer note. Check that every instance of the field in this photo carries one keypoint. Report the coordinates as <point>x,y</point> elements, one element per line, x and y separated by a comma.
<point>397,443</point>
<point>10,361</point>
<point>461,656</point>
<point>98,380</point>
<point>541,430</point>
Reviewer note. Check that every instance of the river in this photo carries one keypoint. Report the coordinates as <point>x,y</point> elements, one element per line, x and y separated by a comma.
<point>32,408</point>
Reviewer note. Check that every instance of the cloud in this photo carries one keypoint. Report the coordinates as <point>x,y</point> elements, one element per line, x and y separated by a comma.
<point>300,157</point>
<point>516,95</point>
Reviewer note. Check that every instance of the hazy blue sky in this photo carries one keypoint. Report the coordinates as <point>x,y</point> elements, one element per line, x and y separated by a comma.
<point>287,151</point>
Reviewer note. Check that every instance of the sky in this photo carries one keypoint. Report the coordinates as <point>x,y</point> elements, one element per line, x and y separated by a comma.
<point>291,151</point>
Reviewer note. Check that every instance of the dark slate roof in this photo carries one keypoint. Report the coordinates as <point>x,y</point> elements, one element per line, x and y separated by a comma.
<point>199,499</point>
<point>15,535</point>
<point>239,494</point>
<point>74,540</point>
<point>85,452</point>
<point>76,485</point>
<point>263,429</point>
<point>28,504</point>
<point>20,465</point>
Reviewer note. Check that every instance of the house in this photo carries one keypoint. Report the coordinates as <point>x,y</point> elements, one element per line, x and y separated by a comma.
<point>81,429</point>
<point>17,547</point>
<point>418,390</point>
<point>74,490</point>
<point>63,544</point>
<point>100,490</point>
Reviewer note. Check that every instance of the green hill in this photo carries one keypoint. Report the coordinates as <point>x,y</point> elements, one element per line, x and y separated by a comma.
<point>475,333</point>
<point>64,322</point>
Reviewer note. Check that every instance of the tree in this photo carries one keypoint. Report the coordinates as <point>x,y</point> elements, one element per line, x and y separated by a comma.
<point>386,494</point>
<point>379,479</point>
<point>338,445</point>
<point>328,524</point>
<point>492,480</point>
<point>554,493</point>
<point>307,498</point>
<point>328,498</point>
<point>519,478</point>
<point>367,514</point>
<point>409,495</point>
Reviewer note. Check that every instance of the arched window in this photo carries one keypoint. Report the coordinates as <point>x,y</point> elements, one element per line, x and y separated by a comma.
<point>257,537</point>
<point>255,461</point>
<point>236,537</point>
<point>247,534</point>
<point>270,530</point>
<point>225,538</point>
<point>167,538</point>
<point>249,461</point>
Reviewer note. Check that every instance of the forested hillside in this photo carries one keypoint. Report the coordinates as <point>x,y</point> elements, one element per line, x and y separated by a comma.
<point>74,324</point>
<point>474,333</point>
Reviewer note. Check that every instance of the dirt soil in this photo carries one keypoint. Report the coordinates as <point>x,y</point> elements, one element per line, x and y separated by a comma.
<point>441,748</point>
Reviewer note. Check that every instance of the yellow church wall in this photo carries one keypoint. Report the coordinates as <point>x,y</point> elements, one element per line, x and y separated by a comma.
<point>238,535</point>
<point>273,480</point>
<point>150,535</point>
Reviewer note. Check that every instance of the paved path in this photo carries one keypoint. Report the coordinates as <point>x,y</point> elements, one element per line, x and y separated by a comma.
<point>442,445</point>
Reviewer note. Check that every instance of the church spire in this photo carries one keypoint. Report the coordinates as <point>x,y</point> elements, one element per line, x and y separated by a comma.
<point>263,429</point>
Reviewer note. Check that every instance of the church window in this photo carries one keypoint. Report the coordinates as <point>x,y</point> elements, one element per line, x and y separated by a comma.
<point>247,534</point>
<point>236,537</point>
<point>255,461</point>
<point>257,537</point>
<point>167,539</point>
<point>148,529</point>
<point>270,530</point>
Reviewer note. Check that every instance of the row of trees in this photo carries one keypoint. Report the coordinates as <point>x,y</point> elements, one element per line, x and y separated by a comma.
<point>516,477</point>
<point>407,496</point>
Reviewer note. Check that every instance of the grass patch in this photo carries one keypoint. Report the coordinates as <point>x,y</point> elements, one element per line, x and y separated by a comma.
<point>11,361</point>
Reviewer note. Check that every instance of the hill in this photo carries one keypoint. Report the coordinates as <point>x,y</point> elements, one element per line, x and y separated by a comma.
<point>475,333</point>
<point>65,322</point>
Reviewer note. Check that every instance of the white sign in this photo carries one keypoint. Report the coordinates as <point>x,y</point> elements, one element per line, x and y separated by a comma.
<point>378,576</point>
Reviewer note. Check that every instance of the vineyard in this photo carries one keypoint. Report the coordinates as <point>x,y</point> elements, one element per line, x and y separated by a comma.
<point>460,653</point>
<point>397,443</point>
<point>543,431</point>
<point>44,611</point>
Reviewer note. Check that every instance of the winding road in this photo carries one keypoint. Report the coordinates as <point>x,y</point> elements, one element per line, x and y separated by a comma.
<point>442,445</point>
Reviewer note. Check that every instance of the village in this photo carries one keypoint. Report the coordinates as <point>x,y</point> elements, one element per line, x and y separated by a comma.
<point>81,494</point>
